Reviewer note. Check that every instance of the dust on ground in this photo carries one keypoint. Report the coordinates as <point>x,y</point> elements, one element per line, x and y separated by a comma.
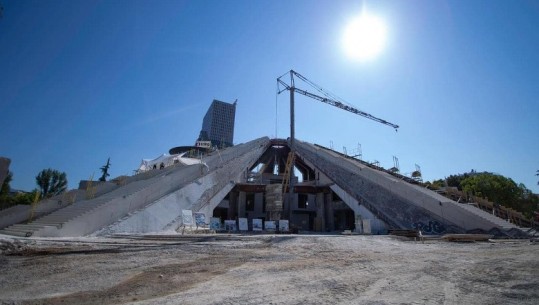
<point>267,269</point>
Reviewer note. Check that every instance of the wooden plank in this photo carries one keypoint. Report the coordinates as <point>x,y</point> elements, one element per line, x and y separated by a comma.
<point>467,237</point>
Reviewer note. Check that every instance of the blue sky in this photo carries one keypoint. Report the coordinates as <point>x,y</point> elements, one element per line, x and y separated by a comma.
<point>81,81</point>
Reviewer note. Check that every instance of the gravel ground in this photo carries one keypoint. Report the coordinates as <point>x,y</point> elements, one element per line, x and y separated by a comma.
<point>267,269</point>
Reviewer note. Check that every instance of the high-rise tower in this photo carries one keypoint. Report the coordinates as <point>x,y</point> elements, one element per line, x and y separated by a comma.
<point>218,124</point>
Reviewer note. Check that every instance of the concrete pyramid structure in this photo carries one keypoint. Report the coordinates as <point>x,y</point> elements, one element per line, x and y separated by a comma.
<point>331,192</point>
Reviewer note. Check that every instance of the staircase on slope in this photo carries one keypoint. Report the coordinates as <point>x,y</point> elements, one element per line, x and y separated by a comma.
<point>63,215</point>
<point>499,211</point>
<point>21,214</point>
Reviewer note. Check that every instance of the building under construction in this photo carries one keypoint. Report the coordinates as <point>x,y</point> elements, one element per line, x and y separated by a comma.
<point>258,185</point>
<point>329,192</point>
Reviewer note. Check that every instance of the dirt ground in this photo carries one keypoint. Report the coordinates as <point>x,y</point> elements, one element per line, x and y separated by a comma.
<point>267,269</point>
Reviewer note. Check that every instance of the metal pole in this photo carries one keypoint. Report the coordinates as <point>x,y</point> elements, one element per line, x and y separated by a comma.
<point>292,147</point>
<point>292,128</point>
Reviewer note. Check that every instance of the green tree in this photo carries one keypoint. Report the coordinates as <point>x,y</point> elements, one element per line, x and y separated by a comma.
<point>528,203</point>
<point>105,171</point>
<point>4,191</point>
<point>435,184</point>
<point>456,180</point>
<point>8,200</point>
<point>5,198</point>
<point>24,198</point>
<point>451,181</point>
<point>496,188</point>
<point>51,182</point>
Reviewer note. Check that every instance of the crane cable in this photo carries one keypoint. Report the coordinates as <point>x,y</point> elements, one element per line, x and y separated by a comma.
<point>325,92</point>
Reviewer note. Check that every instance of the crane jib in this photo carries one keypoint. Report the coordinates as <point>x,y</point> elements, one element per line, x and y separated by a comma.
<point>326,100</point>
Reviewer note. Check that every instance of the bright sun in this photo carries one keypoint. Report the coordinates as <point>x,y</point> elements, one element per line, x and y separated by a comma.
<point>364,37</point>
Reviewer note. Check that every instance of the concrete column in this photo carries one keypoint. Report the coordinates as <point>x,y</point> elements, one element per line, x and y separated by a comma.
<point>330,224</point>
<point>320,222</point>
<point>289,206</point>
<point>259,201</point>
<point>358,222</point>
<point>242,200</point>
<point>232,205</point>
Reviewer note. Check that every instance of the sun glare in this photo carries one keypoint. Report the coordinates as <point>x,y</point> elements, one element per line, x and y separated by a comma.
<point>364,37</point>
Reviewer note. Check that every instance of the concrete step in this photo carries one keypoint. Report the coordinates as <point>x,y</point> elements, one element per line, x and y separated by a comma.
<point>49,223</point>
<point>84,205</point>
<point>57,217</point>
<point>25,226</point>
<point>54,220</point>
<point>483,214</point>
<point>69,213</point>
<point>21,229</point>
<point>73,208</point>
<point>66,211</point>
<point>16,233</point>
<point>66,214</point>
<point>63,213</point>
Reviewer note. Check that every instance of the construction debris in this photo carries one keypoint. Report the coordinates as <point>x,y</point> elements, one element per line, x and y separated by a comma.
<point>405,233</point>
<point>467,237</point>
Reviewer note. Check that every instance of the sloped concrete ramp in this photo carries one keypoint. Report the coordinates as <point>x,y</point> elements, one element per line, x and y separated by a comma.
<point>401,205</point>
<point>173,189</point>
<point>200,195</point>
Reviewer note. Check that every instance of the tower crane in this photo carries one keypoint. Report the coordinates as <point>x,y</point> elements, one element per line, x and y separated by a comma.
<point>328,98</point>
